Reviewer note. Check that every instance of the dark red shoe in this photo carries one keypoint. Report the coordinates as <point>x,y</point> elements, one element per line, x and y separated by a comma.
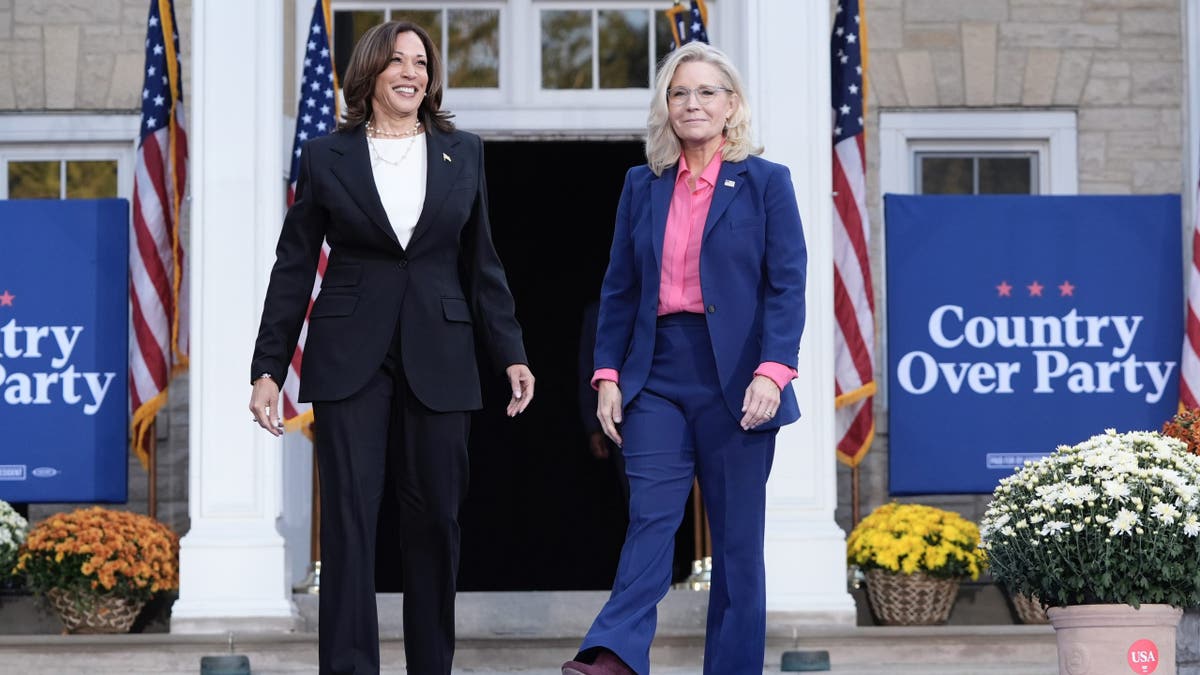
<point>577,668</point>
<point>607,663</point>
<point>611,664</point>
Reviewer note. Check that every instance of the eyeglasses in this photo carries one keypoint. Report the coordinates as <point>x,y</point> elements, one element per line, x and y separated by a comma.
<point>679,96</point>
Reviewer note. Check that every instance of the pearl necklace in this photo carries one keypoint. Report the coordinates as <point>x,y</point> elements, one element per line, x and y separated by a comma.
<point>378,156</point>
<point>416,128</point>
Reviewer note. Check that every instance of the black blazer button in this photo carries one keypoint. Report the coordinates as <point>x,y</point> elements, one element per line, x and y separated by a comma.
<point>404,264</point>
<point>712,309</point>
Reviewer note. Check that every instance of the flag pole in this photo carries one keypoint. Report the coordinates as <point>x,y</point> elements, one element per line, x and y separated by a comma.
<point>152,470</point>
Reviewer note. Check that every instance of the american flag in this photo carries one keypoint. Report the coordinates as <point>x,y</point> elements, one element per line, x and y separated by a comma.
<point>158,343</point>
<point>688,25</point>
<point>317,116</point>
<point>854,302</point>
<point>1189,371</point>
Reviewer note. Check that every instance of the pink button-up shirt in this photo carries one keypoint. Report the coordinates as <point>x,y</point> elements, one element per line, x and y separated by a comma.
<point>679,284</point>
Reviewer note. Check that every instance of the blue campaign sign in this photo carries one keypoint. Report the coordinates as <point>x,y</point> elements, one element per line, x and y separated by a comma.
<point>64,298</point>
<point>1019,323</point>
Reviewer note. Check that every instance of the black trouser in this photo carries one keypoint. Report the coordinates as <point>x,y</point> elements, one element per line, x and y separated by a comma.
<point>384,430</point>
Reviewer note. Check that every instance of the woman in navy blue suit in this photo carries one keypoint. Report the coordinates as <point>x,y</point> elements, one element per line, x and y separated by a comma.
<point>701,313</point>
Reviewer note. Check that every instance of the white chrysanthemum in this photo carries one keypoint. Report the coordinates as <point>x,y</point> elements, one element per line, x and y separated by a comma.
<point>1123,523</point>
<point>1191,525</point>
<point>1165,512</point>
<point>1115,489</point>
<point>1053,527</point>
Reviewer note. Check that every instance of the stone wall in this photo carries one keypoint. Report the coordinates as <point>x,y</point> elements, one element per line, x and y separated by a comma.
<point>1118,63</point>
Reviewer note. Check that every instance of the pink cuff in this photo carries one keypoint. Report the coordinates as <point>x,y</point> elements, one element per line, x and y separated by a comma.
<point>780,374</point>
<point>604,374</point>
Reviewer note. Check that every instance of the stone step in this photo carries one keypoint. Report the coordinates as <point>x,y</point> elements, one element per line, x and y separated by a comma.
<point>859,651</point>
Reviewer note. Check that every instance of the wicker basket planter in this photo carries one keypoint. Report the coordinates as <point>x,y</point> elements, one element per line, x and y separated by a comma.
<point>99,613</point>
<point>910,599</point>
<point>1029,609</point>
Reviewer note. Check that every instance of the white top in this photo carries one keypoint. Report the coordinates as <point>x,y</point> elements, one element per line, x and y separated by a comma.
<point>398,165</point>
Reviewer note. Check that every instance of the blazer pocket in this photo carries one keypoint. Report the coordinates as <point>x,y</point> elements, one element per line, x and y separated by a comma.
<point>333,304</point>
<point>465,183</point>
<point>341,275</point>
<point>745,223</point>
<point>456,309</point>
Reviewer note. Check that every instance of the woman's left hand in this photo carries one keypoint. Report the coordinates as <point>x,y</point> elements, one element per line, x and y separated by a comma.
<point>760,403</point>
<point>521,379</point>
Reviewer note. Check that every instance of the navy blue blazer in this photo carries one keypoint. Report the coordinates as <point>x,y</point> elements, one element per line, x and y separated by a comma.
<point>752,276</point>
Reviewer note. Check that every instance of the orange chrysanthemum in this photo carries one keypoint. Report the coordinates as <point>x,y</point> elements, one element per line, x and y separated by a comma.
<point>100,549</point>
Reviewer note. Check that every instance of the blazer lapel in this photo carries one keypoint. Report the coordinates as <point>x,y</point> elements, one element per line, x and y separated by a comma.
<point>443,164</point>
<point>660,205</point>
<point>353,170</point>
<point>729,182</point>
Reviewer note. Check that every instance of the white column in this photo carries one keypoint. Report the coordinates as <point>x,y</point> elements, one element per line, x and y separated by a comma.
<point>783,47</point>
<point>232,569</point>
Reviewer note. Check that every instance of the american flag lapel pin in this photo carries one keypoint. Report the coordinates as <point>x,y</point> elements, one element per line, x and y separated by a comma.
<point>729,183</point>
<point>446,157</point>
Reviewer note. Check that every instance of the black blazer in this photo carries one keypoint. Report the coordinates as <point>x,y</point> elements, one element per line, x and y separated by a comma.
<point>443,290</point>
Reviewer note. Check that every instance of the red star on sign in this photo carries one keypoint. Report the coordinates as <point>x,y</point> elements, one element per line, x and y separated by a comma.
<point>6,299</point>
<point>1005,291</point>
<point>1065,289</point>
<point>1035,289</point>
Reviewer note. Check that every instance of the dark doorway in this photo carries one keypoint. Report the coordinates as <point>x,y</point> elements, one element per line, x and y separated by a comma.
<point>542,513</point>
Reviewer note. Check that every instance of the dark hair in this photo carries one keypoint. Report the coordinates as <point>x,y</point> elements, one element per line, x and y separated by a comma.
<point>371,56</point>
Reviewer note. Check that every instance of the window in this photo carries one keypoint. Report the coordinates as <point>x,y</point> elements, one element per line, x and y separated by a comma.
<point>62,179</point>
<point>468,37</point>
<point>602,48</point>
<point>67,156</point>
<point>994,173</point>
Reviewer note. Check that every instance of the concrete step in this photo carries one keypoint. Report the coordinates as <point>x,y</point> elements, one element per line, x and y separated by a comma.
<point>857,651</point>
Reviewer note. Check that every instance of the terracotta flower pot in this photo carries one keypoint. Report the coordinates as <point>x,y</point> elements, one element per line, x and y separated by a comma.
<point>1115,639</point>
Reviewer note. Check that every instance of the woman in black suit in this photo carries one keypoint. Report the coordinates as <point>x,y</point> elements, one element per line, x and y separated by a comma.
<point>389,361</point>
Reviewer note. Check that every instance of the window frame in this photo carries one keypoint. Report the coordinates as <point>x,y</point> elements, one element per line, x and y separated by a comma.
<point>67,137</point>
<point>1052,134</point>
<point>471,95</point>
<point>1006,152</point>
<point>594,94</point>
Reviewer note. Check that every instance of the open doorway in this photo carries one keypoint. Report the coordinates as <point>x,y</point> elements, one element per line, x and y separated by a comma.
<point>542,513</point>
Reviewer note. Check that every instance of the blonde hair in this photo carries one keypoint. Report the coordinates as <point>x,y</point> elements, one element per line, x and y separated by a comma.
<point>662,145</point>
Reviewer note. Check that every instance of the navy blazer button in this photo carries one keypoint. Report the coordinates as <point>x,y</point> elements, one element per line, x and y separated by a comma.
<point>403,264</point>
<point>712,309</point>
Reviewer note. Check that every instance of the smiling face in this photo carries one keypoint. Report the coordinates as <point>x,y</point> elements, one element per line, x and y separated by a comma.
<point>700,124</point>
<point>401,87</point>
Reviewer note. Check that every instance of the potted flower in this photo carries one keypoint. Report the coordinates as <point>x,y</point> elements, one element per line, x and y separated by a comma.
<point>98,567</point>
<point>12,534</point>
<point>1105,533</point>
<point>1185,426</point>
<point>914,557</point>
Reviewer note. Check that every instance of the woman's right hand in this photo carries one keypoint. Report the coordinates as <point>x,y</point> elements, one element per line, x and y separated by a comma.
<point>608,409</point>
<point>264,405</point>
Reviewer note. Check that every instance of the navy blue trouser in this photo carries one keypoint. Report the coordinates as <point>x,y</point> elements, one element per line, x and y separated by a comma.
<point>676,428</point>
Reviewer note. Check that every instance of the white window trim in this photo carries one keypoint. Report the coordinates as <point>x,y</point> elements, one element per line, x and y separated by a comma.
<point>58,137</point>
<point>1053,134</point>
